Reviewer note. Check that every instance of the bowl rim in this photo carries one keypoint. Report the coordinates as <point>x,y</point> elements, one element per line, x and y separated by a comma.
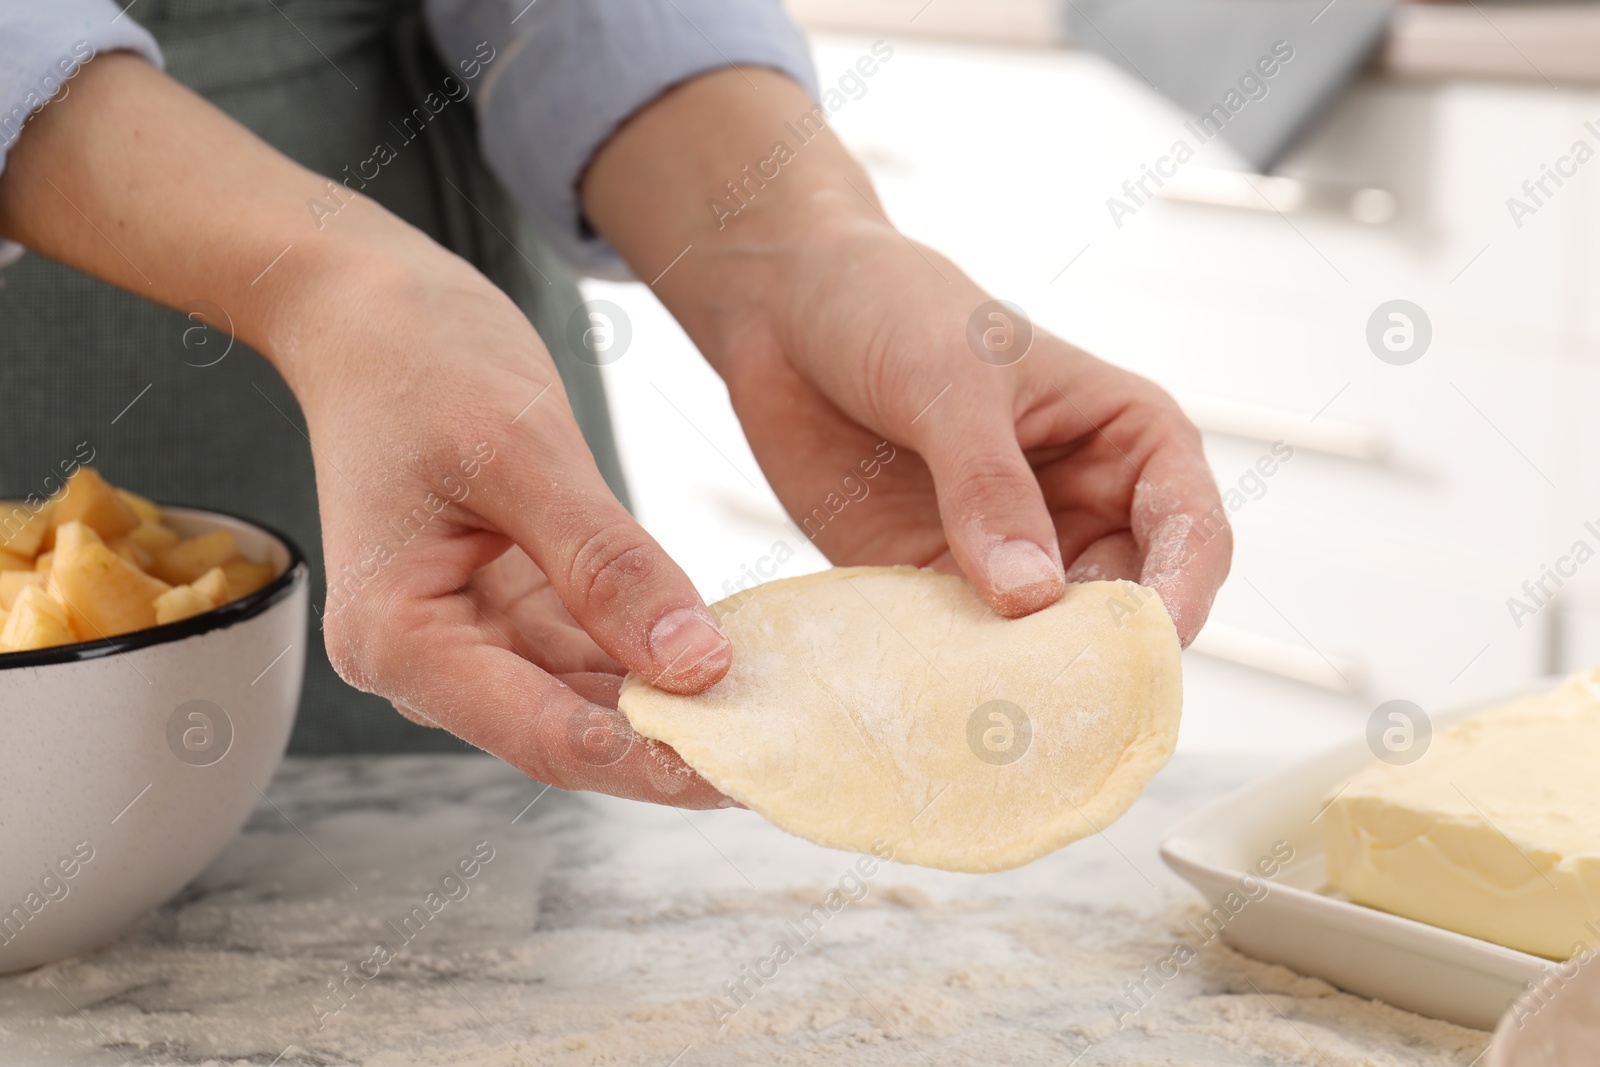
<point>246,607</point>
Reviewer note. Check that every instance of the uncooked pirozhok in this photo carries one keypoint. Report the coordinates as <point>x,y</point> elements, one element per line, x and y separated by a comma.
<point>890,704</point>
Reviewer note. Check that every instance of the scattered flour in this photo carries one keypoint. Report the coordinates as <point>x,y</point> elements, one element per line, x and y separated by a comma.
<point>601,932</point>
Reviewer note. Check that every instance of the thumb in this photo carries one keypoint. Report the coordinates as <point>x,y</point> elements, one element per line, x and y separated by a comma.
<point>994,515</point>
<point>612,576</point>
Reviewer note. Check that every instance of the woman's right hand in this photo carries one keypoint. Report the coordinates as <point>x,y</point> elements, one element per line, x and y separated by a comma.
<point>481,575</point>
<point>500,604</point>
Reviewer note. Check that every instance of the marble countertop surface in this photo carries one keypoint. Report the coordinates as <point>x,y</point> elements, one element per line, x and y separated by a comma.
<point>342,928</point>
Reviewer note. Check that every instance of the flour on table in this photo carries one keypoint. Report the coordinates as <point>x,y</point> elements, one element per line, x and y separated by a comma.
<point>603,932</point>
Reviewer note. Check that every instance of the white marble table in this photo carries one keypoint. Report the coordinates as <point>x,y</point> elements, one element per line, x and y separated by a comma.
<point>602,932</point>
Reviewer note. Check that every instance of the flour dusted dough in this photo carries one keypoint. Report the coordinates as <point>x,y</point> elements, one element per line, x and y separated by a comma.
<point>889,705</point>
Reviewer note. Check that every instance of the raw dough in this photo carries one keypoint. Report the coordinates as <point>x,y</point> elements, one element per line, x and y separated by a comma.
<point>873,706</point>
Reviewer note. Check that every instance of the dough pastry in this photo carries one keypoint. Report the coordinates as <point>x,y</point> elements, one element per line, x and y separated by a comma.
<point>872,706</point>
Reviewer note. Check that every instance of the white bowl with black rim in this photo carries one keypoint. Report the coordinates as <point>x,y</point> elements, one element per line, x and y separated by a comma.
<point>129,763</point>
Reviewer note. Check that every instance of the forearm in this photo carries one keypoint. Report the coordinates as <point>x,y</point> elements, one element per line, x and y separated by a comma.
<point>136,180</point>
<point>731,173</point>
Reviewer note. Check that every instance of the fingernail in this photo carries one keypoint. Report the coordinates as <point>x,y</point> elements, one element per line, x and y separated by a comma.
<point>689,645</point>
<point>1020,570</point>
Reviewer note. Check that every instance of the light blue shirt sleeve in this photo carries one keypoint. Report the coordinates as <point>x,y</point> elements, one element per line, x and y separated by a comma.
<point>42,48</point>
<point>566,73</point>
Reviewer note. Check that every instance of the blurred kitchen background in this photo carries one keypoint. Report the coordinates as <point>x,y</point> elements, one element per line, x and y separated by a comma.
<point>1375,564</point>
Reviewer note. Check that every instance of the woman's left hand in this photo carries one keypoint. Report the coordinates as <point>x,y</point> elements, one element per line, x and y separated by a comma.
<point>1018,464</point>
<point>1023,466</point>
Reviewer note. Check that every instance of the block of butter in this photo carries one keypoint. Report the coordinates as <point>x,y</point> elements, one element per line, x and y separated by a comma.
<point>1493,832</point>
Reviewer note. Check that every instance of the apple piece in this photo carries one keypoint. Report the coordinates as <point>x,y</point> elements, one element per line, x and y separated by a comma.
<point>148,511</point>
<point>213,585</point>
<point>74,534</point>
<point>12,583</point>
<point>104,594</point>
<point>134,553</point>
<point>245,576</point>
<point>154,537</point>
<point>23,529</point>
<point>187,560</point>
<point>36,621</point>
<point>87,498</point>
<point>180,602</point>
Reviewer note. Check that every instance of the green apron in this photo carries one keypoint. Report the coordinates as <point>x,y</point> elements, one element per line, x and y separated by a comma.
<point>86,366</point>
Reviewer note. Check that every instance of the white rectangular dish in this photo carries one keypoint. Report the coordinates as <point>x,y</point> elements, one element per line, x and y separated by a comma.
<point>1300,924</point>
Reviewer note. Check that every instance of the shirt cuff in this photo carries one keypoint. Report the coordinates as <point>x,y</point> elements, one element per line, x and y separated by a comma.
<point>43,46</point>
<point>578,70</point>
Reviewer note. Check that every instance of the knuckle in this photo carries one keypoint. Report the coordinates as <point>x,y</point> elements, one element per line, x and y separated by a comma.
<point>988,479</point>
<point>366,640</point>
<point>611,562</point>
<point>449,472</point>
<point>342,636</point>
<point>535,743</point>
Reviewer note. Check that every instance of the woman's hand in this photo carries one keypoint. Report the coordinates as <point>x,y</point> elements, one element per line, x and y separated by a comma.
<point>482,576</point>
<point>835,333</point>
<point>1004,472</point>
<point>480,573</point>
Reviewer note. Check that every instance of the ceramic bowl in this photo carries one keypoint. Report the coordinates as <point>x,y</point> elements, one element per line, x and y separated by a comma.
<point>128,763</point>
<point>1557,1022</point>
